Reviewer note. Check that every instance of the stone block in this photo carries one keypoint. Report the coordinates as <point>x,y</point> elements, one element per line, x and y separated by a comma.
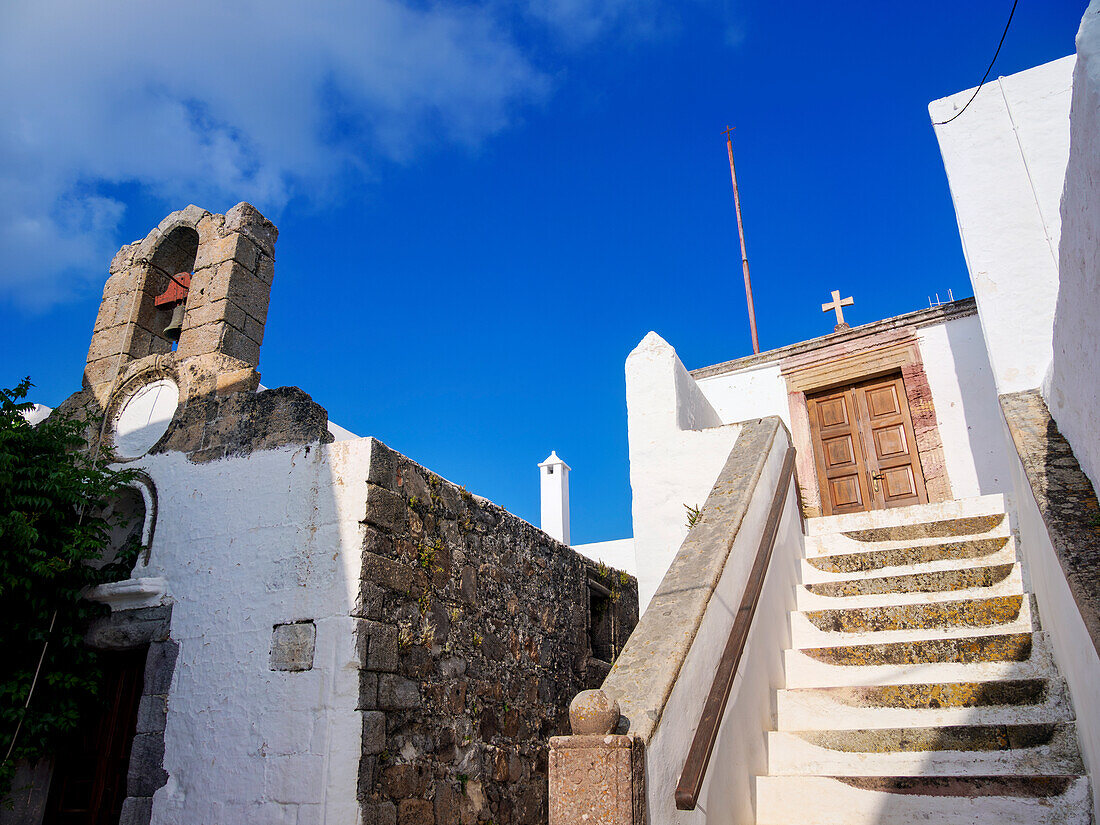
<point>137,810</point>
<point>236,344</point>
<point>211,312</point>
<point>232,247</point>
<point>376,645</point>
<point>384,508</point>
<point>246,219</point>
<point>146,772</point>
<point>200,340</point>
<point>368,603</point>
<point>160,664</point>
<point>108,342</point>
<point>248,292</point>
<point>374,732</point>
<point>152,714</point>
<point>122,259</point>
<point>594,779</point>
<point>265,269</point>
<point>101,371</point>
<point>125,629</point>
<point>400,781</point>
<point>368,691</point>
<point>379,813</point>
<point>390,574</point>
<point>397,693</point>
<point>415,812</point>
<point>293,646</point>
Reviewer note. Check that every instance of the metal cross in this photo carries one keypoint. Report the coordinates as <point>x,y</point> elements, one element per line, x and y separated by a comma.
<point>836,304</point>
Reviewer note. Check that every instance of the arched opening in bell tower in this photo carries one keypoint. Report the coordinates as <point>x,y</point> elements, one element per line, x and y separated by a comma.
<point>166,290</point>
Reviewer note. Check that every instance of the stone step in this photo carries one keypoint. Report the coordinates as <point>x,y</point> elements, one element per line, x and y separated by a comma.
<point>899,800</point>
<point>936,581</point>
<point>832,544</point>
<point>909,622</point>
<point>1025,701</point>
<point>909,557</point>
<point>899,516</point>
<point>811,574</point>
<point>963,750</point>
<point>1011,584</point>
<point>926,648</point>
<point>991,657</point>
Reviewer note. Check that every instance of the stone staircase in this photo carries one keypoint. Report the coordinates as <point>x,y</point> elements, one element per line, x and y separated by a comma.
<point>920,687</point>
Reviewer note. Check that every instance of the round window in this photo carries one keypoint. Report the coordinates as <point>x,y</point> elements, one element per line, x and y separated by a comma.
<point>145,417</point>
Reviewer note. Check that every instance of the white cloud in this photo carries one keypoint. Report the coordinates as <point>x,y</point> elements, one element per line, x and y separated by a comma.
<point>208,101</point>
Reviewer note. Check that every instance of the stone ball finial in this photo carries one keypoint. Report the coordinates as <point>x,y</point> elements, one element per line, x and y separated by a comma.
<point>593,713</point>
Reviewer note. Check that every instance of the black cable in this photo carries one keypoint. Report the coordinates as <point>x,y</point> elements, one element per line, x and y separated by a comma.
<point>987,71</point>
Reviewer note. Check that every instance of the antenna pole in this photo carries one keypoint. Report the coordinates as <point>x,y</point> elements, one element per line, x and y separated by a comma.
<point>741,237</point>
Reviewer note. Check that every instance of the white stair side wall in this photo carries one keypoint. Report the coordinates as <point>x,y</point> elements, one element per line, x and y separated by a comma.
<point>678,446</point>
<point>740,752</point>
<point>1073,648</point>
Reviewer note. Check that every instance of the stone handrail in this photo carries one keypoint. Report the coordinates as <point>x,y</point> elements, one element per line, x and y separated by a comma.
<point>591,771</point>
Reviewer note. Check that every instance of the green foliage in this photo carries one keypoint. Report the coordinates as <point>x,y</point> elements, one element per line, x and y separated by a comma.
<point>693,515</point>
<point>52,492</point>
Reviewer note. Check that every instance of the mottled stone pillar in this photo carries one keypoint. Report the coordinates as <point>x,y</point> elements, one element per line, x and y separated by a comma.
<point>596,777</point>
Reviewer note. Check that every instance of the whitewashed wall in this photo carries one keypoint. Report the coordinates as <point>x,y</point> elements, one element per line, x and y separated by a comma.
<point>1005,158</point>
<point>965,398</point>
<point>750,393</point>
<point>740,753</point>
<point>1073,390</point>
<point>678,445</point>
<point>246,544</point>
<point>617,553</point>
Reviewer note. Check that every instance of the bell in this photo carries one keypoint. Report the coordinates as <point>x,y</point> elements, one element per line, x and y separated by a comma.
<point>175,326</point>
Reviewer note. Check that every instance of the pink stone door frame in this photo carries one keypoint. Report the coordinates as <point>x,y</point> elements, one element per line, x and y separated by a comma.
<point>849,362</point>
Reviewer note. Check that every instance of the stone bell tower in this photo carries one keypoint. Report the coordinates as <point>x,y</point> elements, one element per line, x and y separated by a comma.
<point>173,355</point>
<point>230,259</point>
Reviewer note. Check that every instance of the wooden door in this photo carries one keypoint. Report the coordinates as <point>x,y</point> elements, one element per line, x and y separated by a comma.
<point>864,447</point>
<point>88,785</point>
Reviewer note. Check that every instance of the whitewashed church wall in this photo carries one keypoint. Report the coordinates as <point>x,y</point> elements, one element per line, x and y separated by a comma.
<point>1005,158</point>
<point>748,394</point>
<point>678,445</point>
<point>246,544</point>
<point>617,553</point>
<point>965,398</point>
<point>1073,391</point>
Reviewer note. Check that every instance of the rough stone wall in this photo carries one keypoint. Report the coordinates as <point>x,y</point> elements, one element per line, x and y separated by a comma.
<point>473,635</point>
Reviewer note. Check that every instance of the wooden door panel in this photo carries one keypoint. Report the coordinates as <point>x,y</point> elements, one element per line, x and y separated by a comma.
<point>845,492</point>
<point>833,412</point>
<point>898,483</point>
<point>839,452</point>
<point>890,441</point>
<point>896,478</point>
<point>882,401</point>
<point>864,447</point>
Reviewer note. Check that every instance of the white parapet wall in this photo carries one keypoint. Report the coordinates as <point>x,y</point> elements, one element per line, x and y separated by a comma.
<point>1073,389</point>
<point>1006,159</point>
<point>245,742</point>
<point>678,445</point>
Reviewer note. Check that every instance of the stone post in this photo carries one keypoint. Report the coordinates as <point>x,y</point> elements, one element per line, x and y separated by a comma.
<point>554,476</point>
<point>596,776</point>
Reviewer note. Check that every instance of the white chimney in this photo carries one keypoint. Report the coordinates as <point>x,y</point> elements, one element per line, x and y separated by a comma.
<point>554,479</point>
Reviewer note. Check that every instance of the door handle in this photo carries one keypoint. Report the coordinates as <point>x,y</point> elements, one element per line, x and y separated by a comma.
<point>876,478</point>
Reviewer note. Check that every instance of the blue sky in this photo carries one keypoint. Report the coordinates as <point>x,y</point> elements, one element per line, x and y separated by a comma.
<point>484,206</point>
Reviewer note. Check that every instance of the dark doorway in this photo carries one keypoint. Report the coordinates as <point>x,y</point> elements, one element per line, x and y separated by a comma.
<point>88,785</point>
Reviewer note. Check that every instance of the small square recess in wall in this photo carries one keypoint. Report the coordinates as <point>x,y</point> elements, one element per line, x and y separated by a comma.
<point>292,646</point>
